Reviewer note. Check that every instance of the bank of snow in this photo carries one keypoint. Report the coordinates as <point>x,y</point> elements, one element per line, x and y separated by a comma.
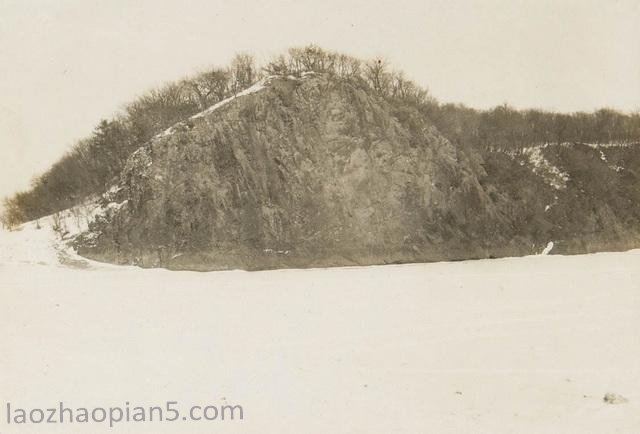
<point>522,345</point>
<point>47,241</point>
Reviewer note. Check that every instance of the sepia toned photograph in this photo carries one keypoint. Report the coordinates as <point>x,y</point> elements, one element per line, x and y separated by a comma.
<point>320,217</point>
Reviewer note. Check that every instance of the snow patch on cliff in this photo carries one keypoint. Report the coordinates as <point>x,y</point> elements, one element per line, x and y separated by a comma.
<point>257,87</point>
<point>542,167</point>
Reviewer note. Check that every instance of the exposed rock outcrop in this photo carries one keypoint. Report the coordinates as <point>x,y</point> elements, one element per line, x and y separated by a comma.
<point>321,171</point>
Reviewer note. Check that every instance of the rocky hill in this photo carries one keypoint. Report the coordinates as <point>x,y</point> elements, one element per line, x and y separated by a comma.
<point>319,170</point>
<point>321,159</point>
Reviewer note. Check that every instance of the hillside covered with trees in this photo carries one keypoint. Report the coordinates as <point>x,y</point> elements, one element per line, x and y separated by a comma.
<point>319,158</point>
<point>94,163</point>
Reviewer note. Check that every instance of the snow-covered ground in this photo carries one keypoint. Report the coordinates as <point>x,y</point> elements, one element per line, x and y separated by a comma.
<point>524,345</point>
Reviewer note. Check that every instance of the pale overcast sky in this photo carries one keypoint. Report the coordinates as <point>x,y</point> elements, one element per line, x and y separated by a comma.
<point>64,64</point>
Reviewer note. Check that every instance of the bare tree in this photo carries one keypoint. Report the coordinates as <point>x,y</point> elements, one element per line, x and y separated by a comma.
<point>347,66</point>
<point>208,87</point>
<point>377,75</point>
<point>278,66</point>
<point>243,71</point>
<point>309,58</point>
<point>13,213</point>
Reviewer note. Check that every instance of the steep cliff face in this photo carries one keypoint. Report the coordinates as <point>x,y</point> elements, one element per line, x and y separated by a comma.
<point>308,171</point>
<point>320,171</point>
